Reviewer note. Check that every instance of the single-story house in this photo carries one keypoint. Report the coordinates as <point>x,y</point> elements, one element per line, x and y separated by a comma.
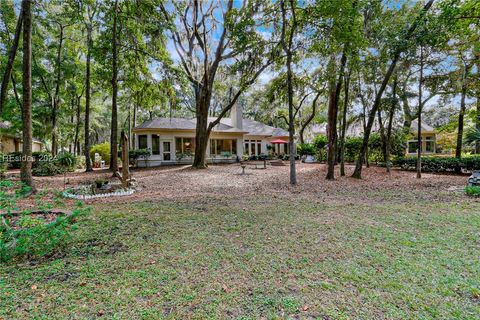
<point>429,135</point>
<point>429,139</point>
<point>172,140</point>
<point>13,143</point>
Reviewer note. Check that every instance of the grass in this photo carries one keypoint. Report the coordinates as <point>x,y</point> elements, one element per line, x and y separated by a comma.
<point>416,259</point>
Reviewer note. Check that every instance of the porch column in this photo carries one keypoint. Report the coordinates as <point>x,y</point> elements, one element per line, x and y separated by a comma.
<point>149,141</point>
<point>240,150</point>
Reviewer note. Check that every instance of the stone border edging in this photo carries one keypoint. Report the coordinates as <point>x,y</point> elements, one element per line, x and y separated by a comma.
<point>97,196</point>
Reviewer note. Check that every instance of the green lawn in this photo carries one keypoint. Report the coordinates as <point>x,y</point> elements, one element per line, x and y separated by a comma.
<point>304,259</point>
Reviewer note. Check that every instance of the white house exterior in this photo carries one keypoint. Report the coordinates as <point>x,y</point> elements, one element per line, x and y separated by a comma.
<point>172,140</point>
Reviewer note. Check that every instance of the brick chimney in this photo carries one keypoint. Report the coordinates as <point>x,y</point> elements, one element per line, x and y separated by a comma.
<point>236,114</point>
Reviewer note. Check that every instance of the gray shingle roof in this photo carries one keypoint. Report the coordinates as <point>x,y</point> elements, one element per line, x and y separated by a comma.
<point>250,127</point>
<point>425,127</point>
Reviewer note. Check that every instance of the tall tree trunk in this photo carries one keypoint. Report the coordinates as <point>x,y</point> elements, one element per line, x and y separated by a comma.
<point>77,127</point>
<point>291,120</point>
<point>419,128</point>
<point>88,160</point>
<point>364,119</point>
<point>134,119</point>
<point>286,42</point>
<point>114,124</point>
<point>332,119</point>
<point>358,167</point>
<point>56,96</point>
<point>383,138</point>
<point>344,126</point>
<point>390,124</point>
<point>201,135</point>
<point>477,122</point>
<point>26,169</point>
<point>11,58</point>
<point>461,116</point>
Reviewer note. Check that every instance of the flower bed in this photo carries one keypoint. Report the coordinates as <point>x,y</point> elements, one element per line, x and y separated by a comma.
<point>97,190</point>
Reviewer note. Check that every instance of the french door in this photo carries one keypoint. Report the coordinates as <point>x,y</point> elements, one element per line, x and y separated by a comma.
<point>166,150</point>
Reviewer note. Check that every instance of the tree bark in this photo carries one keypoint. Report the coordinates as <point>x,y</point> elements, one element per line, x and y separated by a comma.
<point>201,134</point>
<point>11,58</point>
<point>344,126</point>
<point>332,119</point>
<point>26,168</point>
<point>56,96</point>
<point>383,138</point>
<point>134,120</point>
<point>358,167</point>
<point>88,160</point>
<point>286,42</point>
<point>477,122</point>
<point>390,124</point>
<point>114,123</point>
<point>461,116</point>
<point>291,120</point>
<point>77,126</point>
<point>309,119</point>
<point>419,128</point>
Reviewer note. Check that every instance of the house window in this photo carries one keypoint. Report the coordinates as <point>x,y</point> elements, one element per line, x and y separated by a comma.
<point>412,146</point>
<point>184,145</point>
<point>155,144</point>
<point>142,141</point>
<point>253,147</point>
<point>223,146</point>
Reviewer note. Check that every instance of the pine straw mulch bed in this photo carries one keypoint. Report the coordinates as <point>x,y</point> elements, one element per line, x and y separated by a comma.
<point>223,182</point>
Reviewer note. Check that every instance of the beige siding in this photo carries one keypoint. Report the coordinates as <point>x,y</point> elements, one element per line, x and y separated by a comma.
<point>7,144</point>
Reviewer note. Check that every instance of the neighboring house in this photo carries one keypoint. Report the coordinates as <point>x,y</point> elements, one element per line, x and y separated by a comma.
<point>172,140</point>
<point>429,136</point>
<point>13,143</point>
<point>429,139</point>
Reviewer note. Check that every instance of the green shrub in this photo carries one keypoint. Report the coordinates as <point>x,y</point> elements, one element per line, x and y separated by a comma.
<point>179,156</point>
<point>46,165</point>
<point>66,160</point>
<point>439,164</point>
<point>306,149</point>
<point>472,191</point>
<point>14,160</point>
<point>352,148</point>
<point>319,142</point>
<point>26,234</point>
<point>142,154</point>
<point>46,168</point>
<point>103,149</point>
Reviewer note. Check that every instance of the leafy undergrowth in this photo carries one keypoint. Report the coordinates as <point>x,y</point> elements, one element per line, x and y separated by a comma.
<point>260,257</point>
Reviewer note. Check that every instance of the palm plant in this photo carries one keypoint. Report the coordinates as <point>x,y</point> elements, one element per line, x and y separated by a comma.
<point>472,135</point>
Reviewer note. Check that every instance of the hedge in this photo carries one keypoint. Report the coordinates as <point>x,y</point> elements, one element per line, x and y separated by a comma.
<point>439,164</point>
